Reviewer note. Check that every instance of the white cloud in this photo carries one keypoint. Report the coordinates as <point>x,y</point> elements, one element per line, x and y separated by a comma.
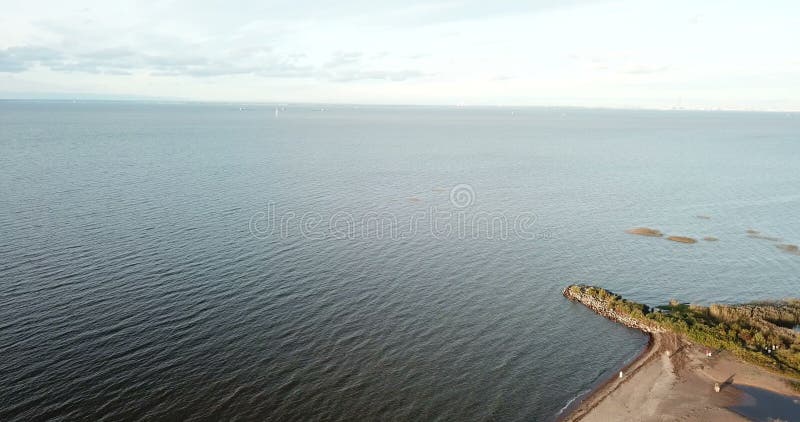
<point>601,53</point>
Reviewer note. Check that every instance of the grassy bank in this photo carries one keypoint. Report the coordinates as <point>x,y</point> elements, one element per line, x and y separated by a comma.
<point>759,333</point>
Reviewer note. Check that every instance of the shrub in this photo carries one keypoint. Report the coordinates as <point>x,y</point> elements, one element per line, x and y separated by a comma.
<point>745,330</point>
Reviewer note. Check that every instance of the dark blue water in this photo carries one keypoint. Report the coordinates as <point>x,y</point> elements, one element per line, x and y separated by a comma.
<point>132,285</point>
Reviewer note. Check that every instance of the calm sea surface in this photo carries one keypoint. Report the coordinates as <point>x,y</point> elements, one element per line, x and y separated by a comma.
<point>179,262</point>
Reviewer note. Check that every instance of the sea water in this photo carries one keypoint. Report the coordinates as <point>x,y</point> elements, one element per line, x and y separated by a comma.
<point>328,262</point>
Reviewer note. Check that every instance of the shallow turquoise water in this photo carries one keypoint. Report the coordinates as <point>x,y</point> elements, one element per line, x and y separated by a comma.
<point>132,286</point>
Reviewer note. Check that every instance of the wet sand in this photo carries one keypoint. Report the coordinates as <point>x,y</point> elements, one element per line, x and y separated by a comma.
<point>678,385</point>
<point>762,405</point>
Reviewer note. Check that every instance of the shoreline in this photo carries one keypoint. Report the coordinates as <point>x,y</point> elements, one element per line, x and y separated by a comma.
<point>678,385</point>
<point>576,410</point>
<point>674,378</point>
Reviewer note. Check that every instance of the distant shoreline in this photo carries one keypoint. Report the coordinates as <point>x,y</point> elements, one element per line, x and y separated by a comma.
<point>671,377</point>
<point>111,98</point>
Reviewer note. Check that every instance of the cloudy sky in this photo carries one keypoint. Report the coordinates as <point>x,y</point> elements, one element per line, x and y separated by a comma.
<point>638,53</point>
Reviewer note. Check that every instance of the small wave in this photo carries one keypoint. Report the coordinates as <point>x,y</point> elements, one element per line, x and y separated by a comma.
<point>579,395</point>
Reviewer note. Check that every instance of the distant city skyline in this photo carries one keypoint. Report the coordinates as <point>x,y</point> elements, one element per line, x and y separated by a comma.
<point>586,53</point>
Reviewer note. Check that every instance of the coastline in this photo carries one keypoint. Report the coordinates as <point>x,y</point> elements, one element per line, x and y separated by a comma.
<point>578,409</point>
<point>658,386</point>
<point>673,378</point>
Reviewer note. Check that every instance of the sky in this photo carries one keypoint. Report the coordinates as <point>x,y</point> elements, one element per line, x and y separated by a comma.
<point>589,53</point>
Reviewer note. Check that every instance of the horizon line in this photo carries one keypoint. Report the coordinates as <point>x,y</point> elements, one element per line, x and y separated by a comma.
<point>154,100</point>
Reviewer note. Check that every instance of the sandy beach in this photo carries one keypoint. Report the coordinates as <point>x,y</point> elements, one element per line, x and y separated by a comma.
<point>673,379</point>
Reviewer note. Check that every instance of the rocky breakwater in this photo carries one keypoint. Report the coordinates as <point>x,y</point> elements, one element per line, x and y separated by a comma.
<point>613,307</point>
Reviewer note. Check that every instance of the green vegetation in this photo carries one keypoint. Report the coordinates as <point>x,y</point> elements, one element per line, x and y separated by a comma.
<point>755,332</point>
<point>615,301</point>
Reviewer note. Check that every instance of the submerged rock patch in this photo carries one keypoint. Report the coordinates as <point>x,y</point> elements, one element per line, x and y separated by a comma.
<point>644,231</point>
<point>758,235</point>
<point>682,239</point>
<point>792,249</point>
